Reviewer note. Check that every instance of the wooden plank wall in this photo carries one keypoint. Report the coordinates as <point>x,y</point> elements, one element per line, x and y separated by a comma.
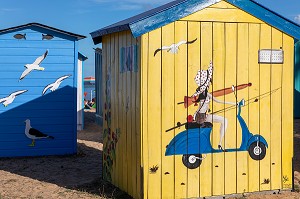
<point>53,113</point>
<point>166,78</point>
<point>124,107</point>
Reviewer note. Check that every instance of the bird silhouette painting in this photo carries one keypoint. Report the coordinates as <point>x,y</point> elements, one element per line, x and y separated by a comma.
<point>9,99</point>
<point>174,47</point>
<point>34,134</point>
<point>34,66</point>
<point>53,86</point>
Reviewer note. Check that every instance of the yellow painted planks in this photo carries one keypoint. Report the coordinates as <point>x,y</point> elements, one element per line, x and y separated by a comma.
<point>144,113</point>
<point>287,111</point>
<point>180,112</point>
<point>264,103</point>
<point>222,15</point>
<point>134,124</point>
<point>217,84</point>
<point>154,116</point>
<point>139,180</point>
<point>123,137</point>
<point>104,69</point>
<point>206,57</point>
<point>275,135</point>
<point>168,107</point>
<point>112,106</point>
<point>254,116</point>
<point>230,138</point>
<point>242,78</point>
<point>193,60</point>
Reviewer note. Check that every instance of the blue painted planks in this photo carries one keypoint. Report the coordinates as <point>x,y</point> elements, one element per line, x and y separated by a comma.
<point>36,44</point>
<point>35,52</point>
<point>30,36</point>
<point>57,67</point>
<point>53,113</point>
<point>51,76</point>
<point>22,60</point>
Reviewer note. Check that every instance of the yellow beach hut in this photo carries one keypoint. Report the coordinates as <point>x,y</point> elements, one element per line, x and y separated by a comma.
<point>198,100</point>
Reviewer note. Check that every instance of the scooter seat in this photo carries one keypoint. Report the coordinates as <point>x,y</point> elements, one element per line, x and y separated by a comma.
<point>195,125</point>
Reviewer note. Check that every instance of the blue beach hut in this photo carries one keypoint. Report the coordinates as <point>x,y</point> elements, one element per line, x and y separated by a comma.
<point>38,91</point>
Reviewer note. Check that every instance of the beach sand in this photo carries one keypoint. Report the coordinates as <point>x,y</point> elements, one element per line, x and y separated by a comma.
<point>79,176</point>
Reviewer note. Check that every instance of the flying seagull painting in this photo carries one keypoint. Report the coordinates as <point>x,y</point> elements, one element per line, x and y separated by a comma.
<point>9,99</point>
<point>34,66</point>
<point>34,134</point>
<point>55,84</point>
<point>174,47</point>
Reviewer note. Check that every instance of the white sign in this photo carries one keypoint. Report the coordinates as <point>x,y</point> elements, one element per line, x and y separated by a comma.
<point>270,56</point>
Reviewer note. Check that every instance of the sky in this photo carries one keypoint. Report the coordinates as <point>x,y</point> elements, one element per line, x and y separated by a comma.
<point>85,16</point>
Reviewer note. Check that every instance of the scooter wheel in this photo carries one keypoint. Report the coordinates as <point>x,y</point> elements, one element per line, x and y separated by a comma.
<point>192,161</point>
<point>257,151</point>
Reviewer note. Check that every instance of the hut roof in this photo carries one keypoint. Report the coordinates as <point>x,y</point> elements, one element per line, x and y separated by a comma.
<point>76,36</point>
<point>168,13</point>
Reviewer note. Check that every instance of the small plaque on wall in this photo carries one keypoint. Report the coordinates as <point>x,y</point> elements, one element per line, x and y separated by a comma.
<point>270,56</point>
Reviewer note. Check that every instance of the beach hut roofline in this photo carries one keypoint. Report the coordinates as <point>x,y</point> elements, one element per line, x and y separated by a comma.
<point>175,10</point>
<point>76,36</point>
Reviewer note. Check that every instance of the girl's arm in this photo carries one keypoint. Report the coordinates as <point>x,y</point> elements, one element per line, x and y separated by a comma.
<point>219,101</point>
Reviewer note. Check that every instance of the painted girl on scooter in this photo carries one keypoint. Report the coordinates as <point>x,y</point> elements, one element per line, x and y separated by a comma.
<point>203,79</point>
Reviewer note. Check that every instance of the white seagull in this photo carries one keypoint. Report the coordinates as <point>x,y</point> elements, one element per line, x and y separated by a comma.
<point>174,47</point>
<point>9,99</point>
<point>56,84</point>
<point>34,66</point>
<point>34,134</point>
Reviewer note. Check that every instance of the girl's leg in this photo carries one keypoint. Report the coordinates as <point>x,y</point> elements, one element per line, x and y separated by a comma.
<point>219,119</point>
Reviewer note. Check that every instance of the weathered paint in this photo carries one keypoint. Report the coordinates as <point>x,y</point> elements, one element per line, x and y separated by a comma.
<point>297,80</point>
<point>165,78</point>
<point>55,112</point>
<point>120,113</point>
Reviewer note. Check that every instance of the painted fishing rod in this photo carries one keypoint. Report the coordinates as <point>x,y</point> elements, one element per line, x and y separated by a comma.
<point>191,100</point>
<point>253,100</point>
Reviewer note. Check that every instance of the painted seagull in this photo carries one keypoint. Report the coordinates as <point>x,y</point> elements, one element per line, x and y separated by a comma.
<point>174,47</point>
<point>9,99</point>
<point>55,85</point>
<point>34,134</point>
<point>34,66</point>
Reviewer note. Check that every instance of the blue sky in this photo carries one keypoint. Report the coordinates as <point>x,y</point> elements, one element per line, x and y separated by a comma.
<point>85,16</point>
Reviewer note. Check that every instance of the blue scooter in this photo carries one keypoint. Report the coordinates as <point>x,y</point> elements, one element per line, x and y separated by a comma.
<point>192,143</point>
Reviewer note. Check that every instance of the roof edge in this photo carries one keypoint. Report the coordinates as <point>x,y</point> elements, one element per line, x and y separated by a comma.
<point>77,36</point>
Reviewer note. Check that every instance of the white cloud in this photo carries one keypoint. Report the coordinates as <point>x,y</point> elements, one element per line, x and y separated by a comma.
<point>297,19</point>
<point>132,4</point>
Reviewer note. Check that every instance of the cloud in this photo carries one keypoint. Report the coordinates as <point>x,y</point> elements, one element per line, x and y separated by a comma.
<point>132,4</point>
<point>297,19</point>
<point>5,10</point>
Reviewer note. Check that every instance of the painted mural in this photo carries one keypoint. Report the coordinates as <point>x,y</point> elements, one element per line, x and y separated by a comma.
<point>194,143</point>
<point>34,134</point>
<point>110,136</point>
<point>53,86</point>
<point>9,99</point>
<point>34,66</point>
<point>174,48</point>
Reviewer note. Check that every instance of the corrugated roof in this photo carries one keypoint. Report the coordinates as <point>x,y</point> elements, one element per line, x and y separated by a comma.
<point>78,37</point>
<point>168,13</point>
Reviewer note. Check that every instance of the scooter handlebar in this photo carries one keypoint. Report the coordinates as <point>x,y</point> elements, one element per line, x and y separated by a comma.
<point>242,102</point>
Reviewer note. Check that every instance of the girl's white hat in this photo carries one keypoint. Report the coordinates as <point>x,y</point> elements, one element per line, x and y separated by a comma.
<point>203,78</point>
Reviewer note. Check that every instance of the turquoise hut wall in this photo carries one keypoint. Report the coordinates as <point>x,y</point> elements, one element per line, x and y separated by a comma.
<point>53,113</point>
<point>297,81</point>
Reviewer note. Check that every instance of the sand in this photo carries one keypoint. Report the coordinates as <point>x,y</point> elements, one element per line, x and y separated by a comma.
<point>79,176</point>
